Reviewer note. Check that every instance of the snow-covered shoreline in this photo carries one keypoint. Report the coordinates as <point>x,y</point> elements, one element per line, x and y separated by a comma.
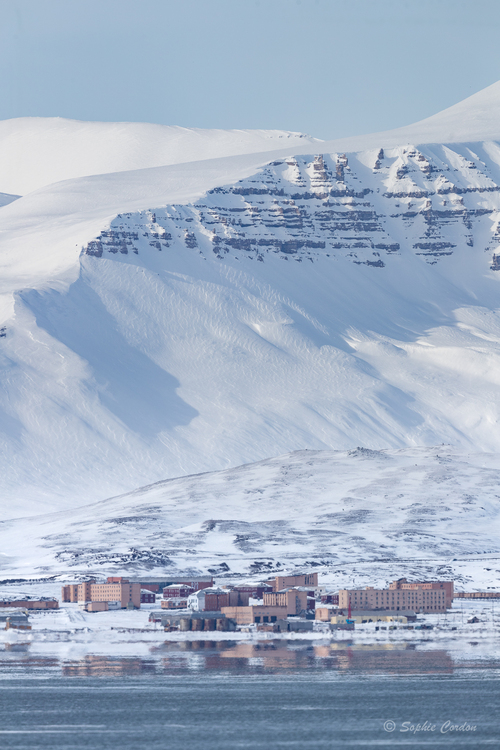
<point>71,633</point>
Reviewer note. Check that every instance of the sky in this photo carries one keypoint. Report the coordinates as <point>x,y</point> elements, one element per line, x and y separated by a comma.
<point>329,68</point>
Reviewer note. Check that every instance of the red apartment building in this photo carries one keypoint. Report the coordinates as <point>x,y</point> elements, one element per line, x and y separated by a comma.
<point>177,590</point>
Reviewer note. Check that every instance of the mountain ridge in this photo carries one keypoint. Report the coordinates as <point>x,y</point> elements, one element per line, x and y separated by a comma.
<point>37,151</point>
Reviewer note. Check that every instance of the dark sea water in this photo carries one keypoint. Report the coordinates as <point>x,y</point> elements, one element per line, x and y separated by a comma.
<point>206,696</point>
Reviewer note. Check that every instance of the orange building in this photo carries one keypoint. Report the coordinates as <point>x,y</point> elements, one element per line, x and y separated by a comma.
<point>69,593</point>
<point>428,596</point>
<point>116,590</point>
<point>292,601</point>
<point>324,614</point>
<point>96,606</point>
<point>447,586</point>
<point>257,614</point>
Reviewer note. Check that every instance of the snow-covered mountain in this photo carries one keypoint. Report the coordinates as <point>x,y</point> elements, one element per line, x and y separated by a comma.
<point>36,151</point>
<point>368,516</point>
<point>197,316</point>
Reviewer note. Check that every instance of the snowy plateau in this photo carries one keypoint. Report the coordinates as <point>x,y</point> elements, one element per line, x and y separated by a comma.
<point>181,303</point>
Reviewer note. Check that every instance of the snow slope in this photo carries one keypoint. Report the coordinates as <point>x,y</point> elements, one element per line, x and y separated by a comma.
<point>197,316</point>
<point>36,151</point>
<point>363,515</point>
<point>476,118</point>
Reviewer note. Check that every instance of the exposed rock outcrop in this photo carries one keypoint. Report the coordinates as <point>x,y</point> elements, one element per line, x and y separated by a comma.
<point>431,204</point>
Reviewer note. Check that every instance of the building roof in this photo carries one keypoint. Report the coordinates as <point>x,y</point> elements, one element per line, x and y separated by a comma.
<point>211,590</point>
<point>17,613</point>
<point>172,581</point>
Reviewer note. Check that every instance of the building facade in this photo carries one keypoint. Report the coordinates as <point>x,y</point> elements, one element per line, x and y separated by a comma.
<point>277,605</point>
<point>371,616</point>
<point>324,613</point>
<point>96,606</point>
<point>330,599</point>
<point>212,600</point>
<point>291,601</point>
<point>174,602</point>
<point>284,582</point>
<point>254,591</point>
<point>176,590</point>
<point>69,593</point>
<point>447,586</point>
<point>117,590</point>
<point>429,596</point>
<point>254,614</point>
<point>477,595</point>
<point>31,603</point>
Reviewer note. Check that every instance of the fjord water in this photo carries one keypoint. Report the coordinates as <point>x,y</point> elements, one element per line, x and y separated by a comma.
<point>208,696</point>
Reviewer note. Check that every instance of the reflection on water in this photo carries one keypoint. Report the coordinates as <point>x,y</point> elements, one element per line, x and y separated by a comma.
<point>94,666</point>
<point>228,695</point>
<point>278,656</point>
<point>270,656</point>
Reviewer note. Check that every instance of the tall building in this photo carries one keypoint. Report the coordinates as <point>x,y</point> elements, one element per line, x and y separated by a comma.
<point>293,601</point>
<point>118,591</point>
<point>426,596</point>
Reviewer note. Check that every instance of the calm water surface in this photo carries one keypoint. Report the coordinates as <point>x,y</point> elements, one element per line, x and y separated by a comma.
<point>207,695</point>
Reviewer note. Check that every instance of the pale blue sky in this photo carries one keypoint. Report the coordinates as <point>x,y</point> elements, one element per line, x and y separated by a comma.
<point>330,68</point>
